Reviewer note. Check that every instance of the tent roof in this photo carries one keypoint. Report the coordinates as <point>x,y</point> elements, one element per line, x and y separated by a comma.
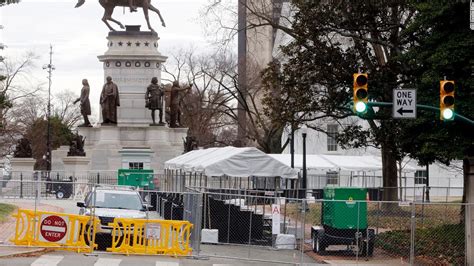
<point>231,161</point>
<point>336,162</point>
<point>312,161</point>
<point>355,163</point>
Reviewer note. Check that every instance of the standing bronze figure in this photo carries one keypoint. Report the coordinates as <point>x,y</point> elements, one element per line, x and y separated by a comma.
<point>109,100</point>
<point>85,103</point>
<point>175,112</point>
<point>154,100</point>
<point>109,6</point>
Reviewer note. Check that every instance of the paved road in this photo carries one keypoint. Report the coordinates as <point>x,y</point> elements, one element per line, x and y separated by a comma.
<point>71,259</point>
<point>63,258</point>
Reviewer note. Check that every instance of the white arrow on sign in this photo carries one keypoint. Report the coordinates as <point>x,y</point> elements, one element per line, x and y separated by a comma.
<point>404,103</point>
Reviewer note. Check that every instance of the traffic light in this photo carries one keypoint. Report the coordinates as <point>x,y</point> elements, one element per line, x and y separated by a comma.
<point>360,92</point>
<point>446,99</point>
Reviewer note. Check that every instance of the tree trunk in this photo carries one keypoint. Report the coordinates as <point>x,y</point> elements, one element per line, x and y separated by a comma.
<point>389,172</point>
<point>468,164</point>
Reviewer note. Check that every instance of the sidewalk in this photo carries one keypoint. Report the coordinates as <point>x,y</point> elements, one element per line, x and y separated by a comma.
<point>13,251</point>
<point>7,229</point>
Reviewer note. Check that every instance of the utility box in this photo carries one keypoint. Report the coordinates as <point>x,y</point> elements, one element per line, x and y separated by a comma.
<point>142,178</point>
<point>344,221</point>
<point>345,208</point>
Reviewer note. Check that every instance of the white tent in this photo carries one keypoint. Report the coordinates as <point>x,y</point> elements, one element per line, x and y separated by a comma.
<point>231,161</point>
<point>336,162</point>
<point>313,161</point>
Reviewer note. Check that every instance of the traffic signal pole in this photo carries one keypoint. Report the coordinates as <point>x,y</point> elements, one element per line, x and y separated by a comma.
<point>426,107</point>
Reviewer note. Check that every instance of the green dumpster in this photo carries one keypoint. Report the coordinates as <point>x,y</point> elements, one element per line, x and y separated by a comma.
<point>142,178</point>
<point>343,208</point>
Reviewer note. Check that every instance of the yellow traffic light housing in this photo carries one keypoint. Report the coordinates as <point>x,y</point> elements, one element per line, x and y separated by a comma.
<point>360,91</point>
<point>446,99</point>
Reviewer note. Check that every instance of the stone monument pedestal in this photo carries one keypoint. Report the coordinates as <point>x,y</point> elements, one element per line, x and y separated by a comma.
<point>76,166</point>
<point>132,59</point>
<point>24,166</point>
<point>115,147</point>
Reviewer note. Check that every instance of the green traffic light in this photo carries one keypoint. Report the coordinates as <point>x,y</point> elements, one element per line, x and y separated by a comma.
<point>361,107</point>
<point>448,114</point>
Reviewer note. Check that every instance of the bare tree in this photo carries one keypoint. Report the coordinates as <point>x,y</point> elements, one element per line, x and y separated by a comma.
<point>203,107</point>
<point>210,109</point>
<point>65,109</point>
<point>17,82</point>
<point>15,86</point>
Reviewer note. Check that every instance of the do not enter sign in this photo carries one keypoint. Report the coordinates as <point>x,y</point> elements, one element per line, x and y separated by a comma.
<point>53,228</point>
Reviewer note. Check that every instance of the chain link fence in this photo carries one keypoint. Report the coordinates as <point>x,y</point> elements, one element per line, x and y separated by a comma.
<point>243,224</point>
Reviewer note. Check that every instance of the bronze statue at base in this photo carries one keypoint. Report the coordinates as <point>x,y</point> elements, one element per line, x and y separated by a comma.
<point>23,149</point>
<point>76,146</point>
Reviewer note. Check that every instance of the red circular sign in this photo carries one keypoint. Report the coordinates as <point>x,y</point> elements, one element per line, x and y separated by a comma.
<point>53,228</point>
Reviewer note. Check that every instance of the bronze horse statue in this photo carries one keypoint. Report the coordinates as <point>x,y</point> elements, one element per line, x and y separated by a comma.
<point>109,6</point>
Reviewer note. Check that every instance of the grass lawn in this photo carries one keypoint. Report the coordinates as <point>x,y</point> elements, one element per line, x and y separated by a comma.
<point>443,245</point>
<point>396,218</point>
<point>5,211</point>
<point>439,235</point>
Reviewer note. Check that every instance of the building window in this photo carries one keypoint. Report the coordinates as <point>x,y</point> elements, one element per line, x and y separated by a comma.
<point>332,178</point>
<point>331,134</point>
<point>135,165</point>
<point>420,177</point>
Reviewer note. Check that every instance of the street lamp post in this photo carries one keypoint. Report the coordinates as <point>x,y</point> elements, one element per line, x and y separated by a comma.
<point>50,67</point>
<point>304,131</point>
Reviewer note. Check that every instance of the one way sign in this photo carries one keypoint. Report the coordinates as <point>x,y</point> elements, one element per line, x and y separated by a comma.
<point>404,103</point>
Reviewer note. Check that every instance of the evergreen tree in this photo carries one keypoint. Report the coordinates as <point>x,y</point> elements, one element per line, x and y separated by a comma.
<point>441,46</point>
<point>399,44</point>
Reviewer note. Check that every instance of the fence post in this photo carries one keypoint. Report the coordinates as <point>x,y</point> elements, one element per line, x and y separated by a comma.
<point>98,178</point>
<point>228,223</point>
<point>412,234</point>
<point>250,231</point>
<point>423,207</point>
<point>303,227</point>
<point>358,236</point>
<point>198,205</point>
<point>468,234</point>
<point>21,185</point>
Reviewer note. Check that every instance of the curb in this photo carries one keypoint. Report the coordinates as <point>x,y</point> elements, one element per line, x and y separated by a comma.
<point>29,251</point>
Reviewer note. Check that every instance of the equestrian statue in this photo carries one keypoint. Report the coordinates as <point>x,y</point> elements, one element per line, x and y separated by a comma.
<point>109,6</point>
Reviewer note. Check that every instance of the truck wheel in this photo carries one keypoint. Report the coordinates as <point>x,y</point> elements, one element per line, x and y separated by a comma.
<point>371,240</point>
<point>370,251</point>
<point>318,245</point>
<point>313,240</point>
<point>60,194</point>
<point>365,247</point>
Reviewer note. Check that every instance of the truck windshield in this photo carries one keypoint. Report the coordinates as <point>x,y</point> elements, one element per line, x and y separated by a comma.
<point>116,200</point>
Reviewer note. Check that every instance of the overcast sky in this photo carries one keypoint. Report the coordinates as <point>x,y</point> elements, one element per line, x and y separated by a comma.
<point>78,36</point>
